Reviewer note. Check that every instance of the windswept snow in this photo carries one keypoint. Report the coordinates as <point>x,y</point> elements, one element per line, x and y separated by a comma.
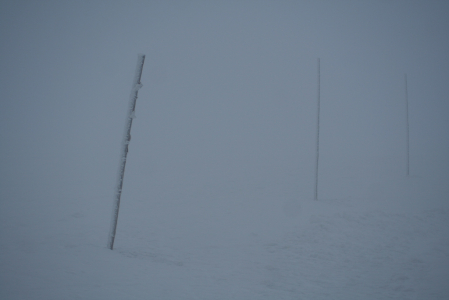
<point>260,248</point>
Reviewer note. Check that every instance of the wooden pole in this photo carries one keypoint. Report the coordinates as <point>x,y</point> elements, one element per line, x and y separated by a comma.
<point>126,139</point>
<point>317,136</point>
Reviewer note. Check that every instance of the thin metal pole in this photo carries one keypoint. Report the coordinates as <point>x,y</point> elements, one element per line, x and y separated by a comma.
<point>126,139</point>
<point>407,130</point>
<point>317,136</point>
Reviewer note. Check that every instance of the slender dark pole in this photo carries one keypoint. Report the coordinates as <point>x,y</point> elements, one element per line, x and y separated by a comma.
<point>407,123</point>
<point>317,136</point>
<point>126,139</point>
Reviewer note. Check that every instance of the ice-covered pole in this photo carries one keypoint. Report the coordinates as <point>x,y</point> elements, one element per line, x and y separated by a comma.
<point>126,139</point>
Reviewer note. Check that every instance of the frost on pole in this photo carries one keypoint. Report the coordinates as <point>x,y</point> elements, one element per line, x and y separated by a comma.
<point>126,139</point>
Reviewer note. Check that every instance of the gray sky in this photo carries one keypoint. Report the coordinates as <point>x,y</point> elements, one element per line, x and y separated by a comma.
<point>229,96</point>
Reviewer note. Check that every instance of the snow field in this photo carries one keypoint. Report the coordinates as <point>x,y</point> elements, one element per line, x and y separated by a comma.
<point>225,248</point>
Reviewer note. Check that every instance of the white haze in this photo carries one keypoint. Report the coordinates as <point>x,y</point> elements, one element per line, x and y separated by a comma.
<point>223,146</point>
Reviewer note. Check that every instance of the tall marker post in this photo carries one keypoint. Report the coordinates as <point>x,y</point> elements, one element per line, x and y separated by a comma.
<point>407,127</point>
<point>317,136</point>
<point>126,139</point>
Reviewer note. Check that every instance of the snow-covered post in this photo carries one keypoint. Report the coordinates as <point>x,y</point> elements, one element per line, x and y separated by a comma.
<point>317,136</point>
<point>126,139</point>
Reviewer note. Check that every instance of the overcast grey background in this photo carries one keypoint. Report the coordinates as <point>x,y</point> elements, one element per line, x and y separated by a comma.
<point>228,102</point>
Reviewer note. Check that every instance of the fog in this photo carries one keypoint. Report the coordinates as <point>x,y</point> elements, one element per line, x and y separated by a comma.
<point>227,113</point>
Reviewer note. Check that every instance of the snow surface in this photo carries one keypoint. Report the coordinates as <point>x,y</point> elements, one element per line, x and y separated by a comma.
<point>221,247</point>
